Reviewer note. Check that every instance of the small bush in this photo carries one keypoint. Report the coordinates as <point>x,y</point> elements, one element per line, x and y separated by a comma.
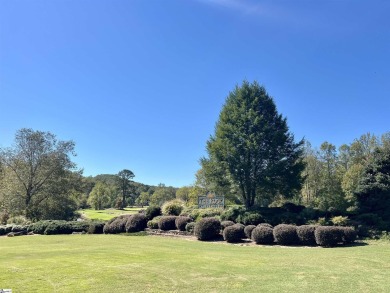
<point>328,236</point>
<point>96,227</point>
<point>152,212</point>
<point>153,224</point>
<point>285,234</point>
<point>172,207</point>
<point>232,213</point>
<point>306,234</point>
<point>232,233</point>
<point>198,214</point>
<point>207,228</point>
<point>349,235</point>
<point>136,223</point>
<point>340,221</point>
<point>250,218</point>
<point>167,223</point>
<point>181,222</point>
<point>190,227</point>
<point>225,224</point>
<point>116,225</point>
<point>248,231</point>
<point>262,235</point>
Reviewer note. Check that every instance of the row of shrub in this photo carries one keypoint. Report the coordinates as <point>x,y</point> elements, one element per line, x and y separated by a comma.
<point>283,234</point>
<point>52,227</point>
<point>126,223</point>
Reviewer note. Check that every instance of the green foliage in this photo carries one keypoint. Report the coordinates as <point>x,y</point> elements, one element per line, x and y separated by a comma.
<point>253,148</point>
<point>18,220</point>
<point>96,227</point>
<point>306,234</point>
<point>340,221</point>
<point>250,218</point>
<point>162,194</point>
<point>152,212</point>
<point>124,181</point>
<point>373,192</point>
<point>4,216</point>
<point>181,222</point>
<point>101,196</point>
<point>232,213</point>
<point>58,227</point>
<point>190,227</point>
<point>153,223</point>
<point>207,229</point>
<point>136,223</point>
<point>286,234</point>
<point>248,231</point>
<point>328,236</point>
<point>172,207</point>
<point>167,223</point>
<point>198,214</point>
<point>370,219</point>
<point>233,233</point>
<point>262,235</point>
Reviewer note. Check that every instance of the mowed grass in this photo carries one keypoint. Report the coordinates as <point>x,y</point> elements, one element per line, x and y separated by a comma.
<point>106,214</point>
<point>117,263</point>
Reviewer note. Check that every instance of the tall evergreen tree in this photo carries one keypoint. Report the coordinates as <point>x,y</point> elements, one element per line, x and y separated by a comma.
<point>253,148</point>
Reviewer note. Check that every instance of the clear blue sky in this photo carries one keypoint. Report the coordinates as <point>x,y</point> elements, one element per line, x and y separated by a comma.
<point>140,84</point>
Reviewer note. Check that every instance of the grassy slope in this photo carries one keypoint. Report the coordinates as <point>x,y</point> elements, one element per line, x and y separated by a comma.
<point>114,263</point>
<point>106,214</point>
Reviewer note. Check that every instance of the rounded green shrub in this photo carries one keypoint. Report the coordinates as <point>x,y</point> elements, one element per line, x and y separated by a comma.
<point>136,223</point>
<point>306,234</point>
<point>172,207</point>
<point>181,222</point>
<point>207,228</point>
<point>225,224</point>
<point>190,227</point>
<point>152,212</point>
<point>285,234</point>
<point>232,233</point>
<point>153,224</point>
<point>262,235</point>
<point>250,218</point>
<point>248,230</point>
<point>167,223</point>
<point>328,236</point>
<point>349,235</point>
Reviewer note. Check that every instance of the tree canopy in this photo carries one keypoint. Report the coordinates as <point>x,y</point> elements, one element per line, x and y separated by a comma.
<point>252,149</point>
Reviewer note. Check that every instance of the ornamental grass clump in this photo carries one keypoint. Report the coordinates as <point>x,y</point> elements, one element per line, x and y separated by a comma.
<point>306,234</point>
<point>207,229</point>
<point>286,234</point>
<point>233,233</point>
<point>167,223</point>
<point>328,236</point>
<point>262,235</point>
<point>135,223</point>
<point>181,222</point>
<point>248,231</point>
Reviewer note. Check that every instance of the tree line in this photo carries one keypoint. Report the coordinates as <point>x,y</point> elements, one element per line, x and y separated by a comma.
<point>252,158</point>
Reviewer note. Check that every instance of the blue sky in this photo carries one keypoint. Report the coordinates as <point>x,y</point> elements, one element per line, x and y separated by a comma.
<point>140,84</point>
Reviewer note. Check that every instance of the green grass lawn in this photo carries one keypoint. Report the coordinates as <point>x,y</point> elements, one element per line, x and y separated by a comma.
<point>106,214</point>
<point>117,263</point>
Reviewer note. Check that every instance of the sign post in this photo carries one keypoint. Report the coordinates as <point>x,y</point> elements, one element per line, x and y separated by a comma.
<point>211,200</point>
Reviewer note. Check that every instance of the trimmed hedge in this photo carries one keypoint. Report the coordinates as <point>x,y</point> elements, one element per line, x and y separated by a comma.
<point>328,236</point>
<point>349,235</point>
<point>116,225</point>
<point>181,222</point>
<point>136,223</point>
<point>262,235</point>
<point>248,230</point>
<point>58,227</point>
<point>306,234</point>
<point>167,223</point>
<point>285,234</point>
<point>207,228</point>
<point>233,233</point>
